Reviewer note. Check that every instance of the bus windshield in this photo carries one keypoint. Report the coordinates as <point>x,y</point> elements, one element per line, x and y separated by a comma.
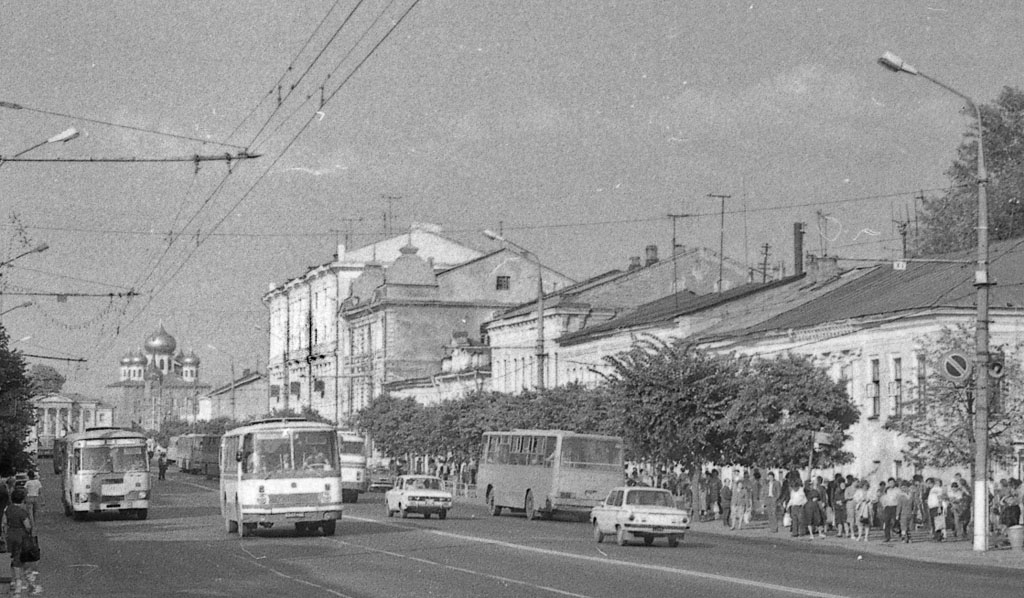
<point>114,458</point>
<point>289,451</point>
<point>591,452</point>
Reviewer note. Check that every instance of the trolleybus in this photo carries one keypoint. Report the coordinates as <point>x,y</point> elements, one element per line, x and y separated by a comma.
<point>352,459</point>
<point>541,472</point>
<point>280,471</point>
<point>198,453</point>
<point>103,470</point>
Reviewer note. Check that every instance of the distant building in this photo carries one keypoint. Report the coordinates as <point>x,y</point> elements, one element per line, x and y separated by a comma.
<point>245,397</point>
<point>60,414</point>
<point>156,382</point>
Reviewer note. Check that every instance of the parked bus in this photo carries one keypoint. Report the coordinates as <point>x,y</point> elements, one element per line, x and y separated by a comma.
<point>352,458</point>
<point>103,470</point>
<point>282,470</point>
<point>542,472</point>
<point>198,453</point>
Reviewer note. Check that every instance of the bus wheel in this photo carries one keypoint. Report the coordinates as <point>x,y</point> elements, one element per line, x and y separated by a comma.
<point>230,526</point>
<point>648,540</point>
<point>426,515</point>
<point>349,496</point>
<point>673,541</point>
<point>67,509</point>
<point>79,515</point>
<point>329,527</point>
<point>598,536</point>
<point>531,512</point>
<point>246,529</point>
<point>141,514</point>
<point>493,508</point>
<point>442,514</point>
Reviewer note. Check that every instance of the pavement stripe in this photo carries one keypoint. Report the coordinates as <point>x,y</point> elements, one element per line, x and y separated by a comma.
<point>608,561</point>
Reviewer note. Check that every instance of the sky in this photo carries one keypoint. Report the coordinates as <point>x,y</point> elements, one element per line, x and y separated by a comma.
<point>575,128</point>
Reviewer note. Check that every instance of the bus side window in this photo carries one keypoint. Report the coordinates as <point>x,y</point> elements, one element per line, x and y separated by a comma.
<point>76,460</point>
<point>248,458</point>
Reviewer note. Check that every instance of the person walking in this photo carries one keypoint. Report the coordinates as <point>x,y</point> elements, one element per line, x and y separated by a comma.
<point>33,494</point>
<point>839,506</point>
<point>960,505</point>
<point>814,513</point>
<point>936,498</point>
<point>796,504</point>
<point>725,500</point>
<point>161,464</point>
<point>771,492</point>
<point>742,504</point>
<point>904,511</point>
<point>862,500</point>
<point>16,526</point>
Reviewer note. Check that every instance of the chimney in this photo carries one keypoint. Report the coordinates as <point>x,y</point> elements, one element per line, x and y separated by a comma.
<point>652,255</point>
<point>822,269</point>
<point>634,263</point>
<point>798,248</point>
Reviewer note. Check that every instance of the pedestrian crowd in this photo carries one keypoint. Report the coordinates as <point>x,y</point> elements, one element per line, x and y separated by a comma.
<point>842,506</point>
<point>20,500</point>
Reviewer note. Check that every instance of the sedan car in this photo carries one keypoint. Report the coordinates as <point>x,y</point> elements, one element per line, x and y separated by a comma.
<point>422,494</point>
<point>639,512</point>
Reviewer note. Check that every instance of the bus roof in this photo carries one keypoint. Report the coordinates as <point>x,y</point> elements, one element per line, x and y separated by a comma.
<point>538,432</point>
<point>103,433</point>
<point>279,424</point>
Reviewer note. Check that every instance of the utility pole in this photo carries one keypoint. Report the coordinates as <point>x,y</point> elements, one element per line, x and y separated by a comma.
<point>675,248</point>
<point>721,237</point>
<point>764,262</point>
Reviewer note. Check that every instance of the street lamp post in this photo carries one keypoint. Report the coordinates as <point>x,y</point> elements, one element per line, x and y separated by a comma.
<point>530,256</point>
<point>18,306</point>
<point>232,359</point>
<point>981,282</point>
<point>62,137</point>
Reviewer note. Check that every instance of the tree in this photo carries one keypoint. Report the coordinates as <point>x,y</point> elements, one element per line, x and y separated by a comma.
<point>780,404</point>
<point>46,379</point>
<point>938,424</point>
<point>16,413</point>
<point>950,221</point>
<point>398,426</point>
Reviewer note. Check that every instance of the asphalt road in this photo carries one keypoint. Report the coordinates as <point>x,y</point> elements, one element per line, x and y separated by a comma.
<point>182,549</point>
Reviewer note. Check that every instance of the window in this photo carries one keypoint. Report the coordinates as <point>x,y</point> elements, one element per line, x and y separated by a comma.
<point>503,283</point>
<point>922,381</point>
<point>897,387</point>
<point>874,389</point>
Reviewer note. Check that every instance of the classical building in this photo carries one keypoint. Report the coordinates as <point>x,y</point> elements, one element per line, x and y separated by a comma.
<point>383,313</point>
<point>156,381</point>
<point>59,414</point>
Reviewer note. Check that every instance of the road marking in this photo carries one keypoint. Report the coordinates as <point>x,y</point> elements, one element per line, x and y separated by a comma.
<point>297,579</point>
<point>608,561</point>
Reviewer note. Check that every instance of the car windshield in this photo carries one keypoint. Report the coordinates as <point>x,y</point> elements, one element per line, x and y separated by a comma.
<point>654,498</point>
<point>424,484</point>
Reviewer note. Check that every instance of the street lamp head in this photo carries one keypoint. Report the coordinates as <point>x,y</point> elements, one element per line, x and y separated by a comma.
<point>490,234</point>
<point>895,64</point>
<point>64,136</point>
<point>40,248</point>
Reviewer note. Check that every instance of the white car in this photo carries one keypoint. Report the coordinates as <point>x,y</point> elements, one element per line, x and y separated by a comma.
<point>641,512</point>
<point>423,494</point>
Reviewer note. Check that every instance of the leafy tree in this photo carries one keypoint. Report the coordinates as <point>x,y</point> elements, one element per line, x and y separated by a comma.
<point>939,426</point>
<point>950,220</point>
<point>396,425</point>
<point>46,379</point>
<point>677,397</point>
<point>780,404</point>
<point>16,413</point>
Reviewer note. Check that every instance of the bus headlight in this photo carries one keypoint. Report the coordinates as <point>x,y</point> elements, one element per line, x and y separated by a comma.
<point>261,497</point>
<point>81,497</point>
<point>325,496</point>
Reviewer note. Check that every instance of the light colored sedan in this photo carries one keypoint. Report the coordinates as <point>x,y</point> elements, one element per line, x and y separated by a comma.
<point>639,512</point>
<point>422,494</point>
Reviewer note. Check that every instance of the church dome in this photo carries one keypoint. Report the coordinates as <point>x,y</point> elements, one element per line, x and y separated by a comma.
<point>127,359</point>
<point>137,358</point>
<point>411,269</point>
<point>161,342</point>
<point>190,359</point>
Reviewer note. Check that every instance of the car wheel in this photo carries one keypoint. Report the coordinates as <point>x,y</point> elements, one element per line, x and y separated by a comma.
<point>387,507</point>
<point>620,537</point>
<point>648,540</point>
<point>329,527</point>
<point>401,509</point>
<point>531,511</point>
<point>442,514</point>
<point>493,508</point>
<point>598,536</point>
<point>673,541</point>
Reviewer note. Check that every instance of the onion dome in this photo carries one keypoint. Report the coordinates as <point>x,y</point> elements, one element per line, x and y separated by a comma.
<point>161,342</point>
<point>127,359</point>
<point>190,359</point>
<point>138,358</point>
<point>411,269</point>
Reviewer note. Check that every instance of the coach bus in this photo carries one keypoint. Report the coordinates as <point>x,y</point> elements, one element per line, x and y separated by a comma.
<point>542,472</point>
<point>103,470</point>
<point>352,459</point>
<point>198,453</point>
<point>280,471</point>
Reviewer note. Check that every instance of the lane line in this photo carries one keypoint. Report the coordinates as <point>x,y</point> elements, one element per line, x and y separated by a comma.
<point>608,561</point>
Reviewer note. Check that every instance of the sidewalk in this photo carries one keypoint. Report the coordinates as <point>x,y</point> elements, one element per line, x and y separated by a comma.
<point>959,551</point>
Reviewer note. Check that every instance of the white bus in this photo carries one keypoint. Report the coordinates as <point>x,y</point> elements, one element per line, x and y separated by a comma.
<point>541,472</point>
<point>103,470</point>
<point>282,470</point>
<point>352,459</point>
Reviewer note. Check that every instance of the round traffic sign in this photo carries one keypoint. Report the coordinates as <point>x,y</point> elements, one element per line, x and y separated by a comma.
<point>955,366</point>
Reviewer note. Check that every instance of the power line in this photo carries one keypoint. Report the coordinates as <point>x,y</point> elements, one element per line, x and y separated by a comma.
<point>193,158</point>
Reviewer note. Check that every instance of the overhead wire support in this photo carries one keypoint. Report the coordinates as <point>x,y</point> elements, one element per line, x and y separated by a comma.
<point>195,158</point>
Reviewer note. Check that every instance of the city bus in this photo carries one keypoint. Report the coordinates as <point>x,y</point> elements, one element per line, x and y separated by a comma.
<point>103,470</point>
<point>352,458</point>
<point>543,472</point>
<point>280,471</point>
<point>197,453</point>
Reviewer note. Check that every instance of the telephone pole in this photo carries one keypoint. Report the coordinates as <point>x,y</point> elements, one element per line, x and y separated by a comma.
<point>721,237</point>
<point>675,248</point>
<point>764,262</point>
